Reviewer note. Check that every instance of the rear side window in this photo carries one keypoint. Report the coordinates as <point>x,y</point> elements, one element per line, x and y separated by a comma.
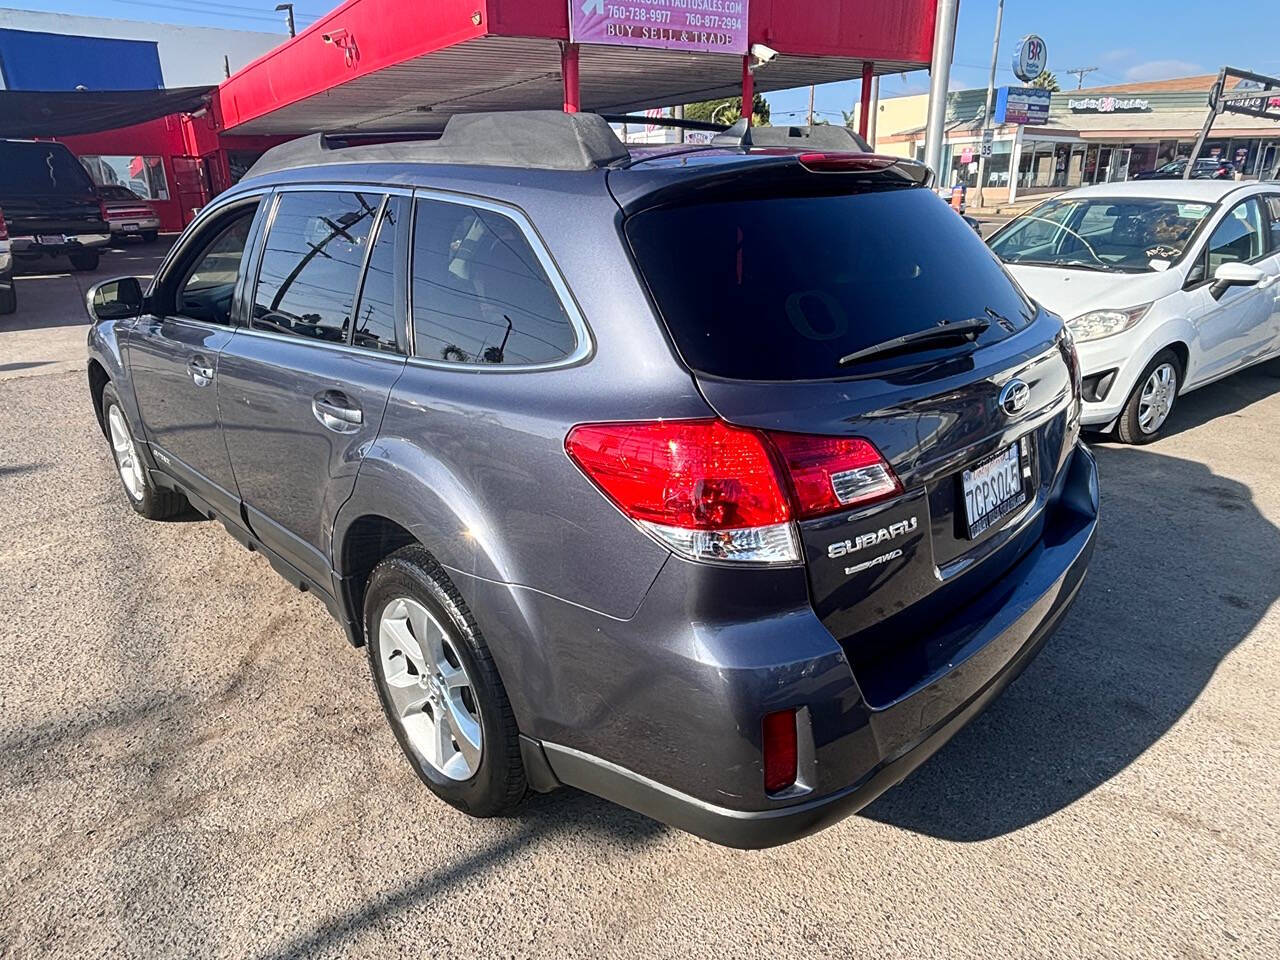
<point>781,288</point>
<point>41,168</point>
<point>379,318</point>
<point>311,264</point>
<point>480,293</point>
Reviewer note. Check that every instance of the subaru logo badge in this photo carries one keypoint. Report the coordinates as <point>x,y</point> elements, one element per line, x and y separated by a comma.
<point>1014,396</point>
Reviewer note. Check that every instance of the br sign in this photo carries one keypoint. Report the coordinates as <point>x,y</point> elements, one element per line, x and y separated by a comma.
<point>703,26</point>
<point>1029,58</point>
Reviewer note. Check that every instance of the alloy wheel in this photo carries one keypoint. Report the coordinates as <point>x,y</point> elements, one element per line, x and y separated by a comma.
<point>431,692</point>
<point>125,453</point>
<point>1156,400</point>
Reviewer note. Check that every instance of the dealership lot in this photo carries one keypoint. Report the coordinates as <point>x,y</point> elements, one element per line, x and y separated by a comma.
<point>195,763</point>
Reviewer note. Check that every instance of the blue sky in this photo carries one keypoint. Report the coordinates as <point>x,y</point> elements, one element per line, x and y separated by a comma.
<point>1127,40</point>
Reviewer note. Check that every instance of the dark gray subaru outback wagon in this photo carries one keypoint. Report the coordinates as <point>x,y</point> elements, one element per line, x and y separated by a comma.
<point>726,483</point>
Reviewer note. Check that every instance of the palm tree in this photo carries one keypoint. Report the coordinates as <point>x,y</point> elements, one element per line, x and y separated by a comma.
<point>1047,81</point>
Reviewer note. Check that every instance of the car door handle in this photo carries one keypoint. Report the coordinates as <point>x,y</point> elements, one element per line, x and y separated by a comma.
<point>200,371</point>
<point>336,412</point>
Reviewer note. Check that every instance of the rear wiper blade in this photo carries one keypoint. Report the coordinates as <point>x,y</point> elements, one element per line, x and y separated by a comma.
<point>968,330</point>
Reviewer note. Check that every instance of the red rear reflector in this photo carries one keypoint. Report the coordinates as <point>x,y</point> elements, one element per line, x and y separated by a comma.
<point>833,473</point>
<point>692,474</point>
<point>844,162</point>
<point>4,227</point>
<point>779,750</point>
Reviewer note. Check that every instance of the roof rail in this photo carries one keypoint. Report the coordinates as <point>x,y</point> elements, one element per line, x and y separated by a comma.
<point>537,139</point>
<point>821,136</point>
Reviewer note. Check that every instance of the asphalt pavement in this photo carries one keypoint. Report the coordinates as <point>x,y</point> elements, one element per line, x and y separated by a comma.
<point>194,762</point>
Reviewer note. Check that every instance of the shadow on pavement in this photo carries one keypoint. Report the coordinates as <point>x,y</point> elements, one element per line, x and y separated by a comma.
<point>539,817</point>
<point>1184,569</point>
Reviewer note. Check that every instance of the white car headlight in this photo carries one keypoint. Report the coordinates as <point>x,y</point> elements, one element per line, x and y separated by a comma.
<point>1097,324</point>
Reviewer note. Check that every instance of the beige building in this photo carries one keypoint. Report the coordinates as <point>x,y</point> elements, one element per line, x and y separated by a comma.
<point>1094,135</point>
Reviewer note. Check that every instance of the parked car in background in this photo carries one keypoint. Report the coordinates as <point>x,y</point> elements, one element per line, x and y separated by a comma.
<point>128,214</point>
<point>1166,286</point>
<point>1206,168</point>
<point>8,293</point>
<point>728,490</point>
<point>51,205</point>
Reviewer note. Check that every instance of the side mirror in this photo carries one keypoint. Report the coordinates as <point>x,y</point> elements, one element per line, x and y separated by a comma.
<point>119,299</point>
<point>1237,274</point>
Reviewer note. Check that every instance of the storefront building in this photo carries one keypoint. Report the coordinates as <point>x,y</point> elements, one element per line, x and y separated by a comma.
<point>1096,135</point>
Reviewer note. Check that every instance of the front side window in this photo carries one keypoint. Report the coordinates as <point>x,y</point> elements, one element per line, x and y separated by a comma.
<point>480,294</point>
<point>311,264</point>
<point>140,174</point>
<point>207,290</point>
<point>1129,234</point>
<point>1240,237</point>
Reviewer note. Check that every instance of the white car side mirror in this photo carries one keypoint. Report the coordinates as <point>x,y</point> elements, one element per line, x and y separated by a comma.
<point>1235,275</point>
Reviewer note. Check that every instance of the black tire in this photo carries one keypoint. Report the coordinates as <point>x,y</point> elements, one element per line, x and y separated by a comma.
<point>84,260</point>
<point>1128,428</point>
<point>149,236</point>
<point>8,300</point>
<point>499,783</point>
<point>152,501</point>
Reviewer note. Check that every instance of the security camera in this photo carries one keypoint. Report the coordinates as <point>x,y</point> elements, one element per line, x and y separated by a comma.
<point>761,55</point>
<point>337,36</point>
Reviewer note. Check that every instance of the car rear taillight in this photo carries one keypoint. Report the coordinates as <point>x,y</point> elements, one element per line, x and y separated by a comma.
<point>4,227</point>
<point>706,489</point>
<point>833,473</point>
<point>102,210</point>
<point>779,749</point>
<point>712,491</point>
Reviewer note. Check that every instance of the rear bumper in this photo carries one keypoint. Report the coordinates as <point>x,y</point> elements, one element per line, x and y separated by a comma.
<point>707,780</point>
<point>28,246</point>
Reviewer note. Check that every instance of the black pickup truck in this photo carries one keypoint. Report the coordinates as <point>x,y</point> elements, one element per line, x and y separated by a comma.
<point>50,203</point>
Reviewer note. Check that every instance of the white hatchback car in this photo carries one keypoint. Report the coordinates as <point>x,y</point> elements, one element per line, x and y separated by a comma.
<point>1167,285</point>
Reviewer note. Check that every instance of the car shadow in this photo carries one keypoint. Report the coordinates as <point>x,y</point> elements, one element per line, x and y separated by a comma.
<point>538,820</point>
<point>1184,569</point>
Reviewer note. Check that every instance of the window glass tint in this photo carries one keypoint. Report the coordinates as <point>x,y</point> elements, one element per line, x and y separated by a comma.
<point>782,288</point>
<point>1239,237</point>
<point>377,319</point>
<point>479,293</point>
<point>311,264</point>
<point>206,292</point>
<point>46,169</point>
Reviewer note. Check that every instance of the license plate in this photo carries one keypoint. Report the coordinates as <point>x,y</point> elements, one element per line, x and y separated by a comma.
<point>129,227</point>
<point>51,239</point>
<point>993,489</point>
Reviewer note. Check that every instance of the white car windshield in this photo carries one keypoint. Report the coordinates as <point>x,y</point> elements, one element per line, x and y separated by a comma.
<point>1127,234</point>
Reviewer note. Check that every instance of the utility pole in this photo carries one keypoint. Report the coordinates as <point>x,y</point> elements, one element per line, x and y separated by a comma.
<point>811,104</point>
<point>288,17</point>
<point>226,65</point>
<point>986,116</point>
<point>1080,73</point>
<point>944,45</point>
